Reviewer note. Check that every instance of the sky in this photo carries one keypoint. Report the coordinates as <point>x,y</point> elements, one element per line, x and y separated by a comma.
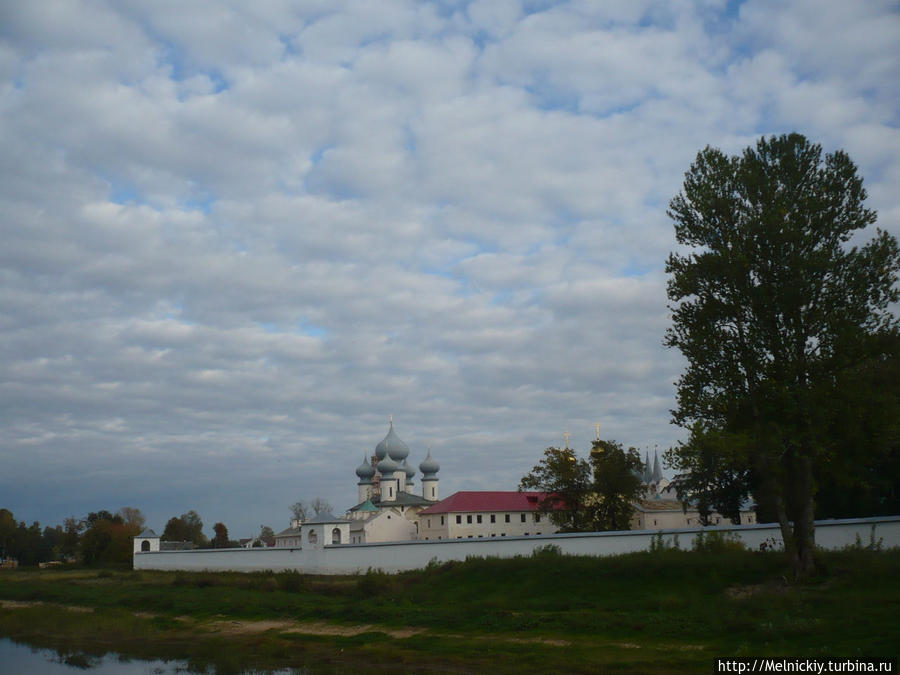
<point>238,237</point>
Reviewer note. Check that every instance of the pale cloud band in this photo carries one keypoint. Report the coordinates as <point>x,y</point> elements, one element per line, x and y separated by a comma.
<point>236,237</point>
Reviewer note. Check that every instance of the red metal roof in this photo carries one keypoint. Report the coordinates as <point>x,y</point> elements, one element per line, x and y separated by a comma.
<point>470,502</point>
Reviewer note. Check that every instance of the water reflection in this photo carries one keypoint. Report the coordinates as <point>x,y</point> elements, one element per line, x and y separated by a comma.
<point>18,658</point>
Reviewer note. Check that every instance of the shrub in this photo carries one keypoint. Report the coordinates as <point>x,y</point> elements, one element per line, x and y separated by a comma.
<point>657,543</point>
<point>547,551</point>
<point>873,545</point>
<point>717,542</point>
<point>291,581</point>
<point>373,582</point>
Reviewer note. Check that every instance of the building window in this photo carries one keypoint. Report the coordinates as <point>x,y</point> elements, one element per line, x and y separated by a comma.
<point>493,518</point>
<point>526,534</point>
<point>470,536</point>
<point>458,520</point>
<point>493,534</point>
<point>537,517</point>
<point>469,519</point>
<point>429,522</point>
<point>478,518</point>
<point>312,537</point>
<point>503,534</point>
<point>442,520</point>
<point>336,536</point>
<point>654,522</point>
<point>507,517</point>
<point>523,517</point>
<point>145,545</point>
<point>432,492</point>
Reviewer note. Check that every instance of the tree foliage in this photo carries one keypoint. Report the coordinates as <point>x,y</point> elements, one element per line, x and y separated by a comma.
<point>100,538</point>
<point>772,308</point>
<point>132,517</point>
<point>187,527</point>
<point>220,540</point>
<point>617,484</point>
<point>860,475</point>
<point>588,495</point>
<point>320,506</point>
<point>567,481</point>
<point>108,541</point>
<point>299,510</point>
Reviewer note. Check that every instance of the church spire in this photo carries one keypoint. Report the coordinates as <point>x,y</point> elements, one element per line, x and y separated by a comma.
<point>657,472</point>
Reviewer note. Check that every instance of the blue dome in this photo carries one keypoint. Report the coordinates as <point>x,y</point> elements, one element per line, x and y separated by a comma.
<point>410,472</point>
<point>365,471</point>
<point>429,467</point>
<point>393,446</point>
<point>387,467</point>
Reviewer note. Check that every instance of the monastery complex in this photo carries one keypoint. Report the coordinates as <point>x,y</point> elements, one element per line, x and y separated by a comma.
<point>390,510</point>
<point>395,527</point>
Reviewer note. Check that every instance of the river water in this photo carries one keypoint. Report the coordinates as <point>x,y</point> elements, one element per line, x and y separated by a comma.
<point>18,659</point>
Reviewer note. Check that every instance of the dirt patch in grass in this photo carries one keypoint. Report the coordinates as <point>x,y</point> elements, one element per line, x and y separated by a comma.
<point>307,628</point>
<point>751,590</point>
<point>21,604</point>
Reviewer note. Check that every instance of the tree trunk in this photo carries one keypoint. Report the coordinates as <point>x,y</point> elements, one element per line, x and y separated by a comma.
<point>796,518</point>
<point>787,535</point>
<point>804,525</point>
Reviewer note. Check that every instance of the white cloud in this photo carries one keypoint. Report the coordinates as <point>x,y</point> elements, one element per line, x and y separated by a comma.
<point>236,238</point>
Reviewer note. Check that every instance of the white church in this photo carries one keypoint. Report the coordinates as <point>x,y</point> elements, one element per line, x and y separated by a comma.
<point>387,508</point>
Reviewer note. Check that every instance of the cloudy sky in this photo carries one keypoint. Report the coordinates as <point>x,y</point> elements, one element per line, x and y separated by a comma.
<point>236,236</point>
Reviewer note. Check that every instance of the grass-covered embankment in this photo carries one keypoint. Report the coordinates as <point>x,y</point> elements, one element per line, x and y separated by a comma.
<point>667,610</point>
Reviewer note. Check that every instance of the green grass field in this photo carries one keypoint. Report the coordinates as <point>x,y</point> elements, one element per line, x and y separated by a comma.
<point>665,611</point>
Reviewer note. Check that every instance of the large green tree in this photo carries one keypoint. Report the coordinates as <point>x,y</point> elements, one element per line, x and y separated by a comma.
<point>617,484</point>
<point>771,306</point>
<point>567,481</point>
<point>588,495</point>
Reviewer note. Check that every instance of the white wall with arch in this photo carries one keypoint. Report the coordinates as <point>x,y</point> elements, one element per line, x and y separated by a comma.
<point>344,558</point>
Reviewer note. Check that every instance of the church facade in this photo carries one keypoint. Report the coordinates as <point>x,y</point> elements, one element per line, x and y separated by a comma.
<point>387,502</point>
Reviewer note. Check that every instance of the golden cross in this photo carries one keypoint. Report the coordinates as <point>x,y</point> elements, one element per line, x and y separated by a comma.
<point>598,430</point>
<point>567,439</point>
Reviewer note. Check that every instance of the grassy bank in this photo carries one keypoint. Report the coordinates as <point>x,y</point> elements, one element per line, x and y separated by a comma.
<point>652,612</point>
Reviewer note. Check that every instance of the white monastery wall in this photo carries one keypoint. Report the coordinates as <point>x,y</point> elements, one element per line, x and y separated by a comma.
<point>389,526</point>
<point>409,555</point>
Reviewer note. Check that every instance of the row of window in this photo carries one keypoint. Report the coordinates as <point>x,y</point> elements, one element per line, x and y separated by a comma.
<point>502,534</point>
<point>506,518</point>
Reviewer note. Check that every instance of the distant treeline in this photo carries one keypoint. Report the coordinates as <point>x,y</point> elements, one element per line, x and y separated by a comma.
<point>100,538</point>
